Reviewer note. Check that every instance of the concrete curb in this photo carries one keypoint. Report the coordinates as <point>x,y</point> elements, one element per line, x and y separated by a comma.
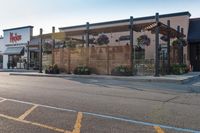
<point>133,78</point>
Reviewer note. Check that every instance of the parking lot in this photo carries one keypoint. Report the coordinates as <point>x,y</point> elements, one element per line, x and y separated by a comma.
<point>51,105</point>
<point>52,119</point>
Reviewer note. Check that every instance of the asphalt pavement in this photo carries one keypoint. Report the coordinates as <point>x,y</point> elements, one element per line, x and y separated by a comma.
<point>68,105</point>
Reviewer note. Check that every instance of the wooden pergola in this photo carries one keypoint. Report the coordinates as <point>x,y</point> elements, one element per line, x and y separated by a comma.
<point>155,27</point>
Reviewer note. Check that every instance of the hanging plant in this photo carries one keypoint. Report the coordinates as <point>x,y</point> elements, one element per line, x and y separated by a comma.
<point>180,41</point>
<point>143,40</point>
<point>164,38</point>
<point>103,39</point>
<point>47,48</point>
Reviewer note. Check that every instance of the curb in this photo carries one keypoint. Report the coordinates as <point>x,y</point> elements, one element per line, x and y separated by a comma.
<point>181,81</point>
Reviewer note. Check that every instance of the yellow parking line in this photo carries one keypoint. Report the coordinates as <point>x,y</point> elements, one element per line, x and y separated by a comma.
<point>2,100</point>
<point>22,117</point>
<point>158,129</point>
<point>77,127</point>
<point>35,124</point>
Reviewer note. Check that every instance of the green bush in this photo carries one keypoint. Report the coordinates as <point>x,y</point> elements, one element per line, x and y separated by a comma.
<point>82,70</point>
<point>52,69</point>
<point>121,71</point>
<point>179,69</point>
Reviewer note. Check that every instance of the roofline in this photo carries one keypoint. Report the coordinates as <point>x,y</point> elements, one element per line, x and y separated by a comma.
<point>127,20</point>
<point>19,28</point>
<point>193,19</point>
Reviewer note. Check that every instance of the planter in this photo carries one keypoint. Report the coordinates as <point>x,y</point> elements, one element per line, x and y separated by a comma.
<point>52,70</point>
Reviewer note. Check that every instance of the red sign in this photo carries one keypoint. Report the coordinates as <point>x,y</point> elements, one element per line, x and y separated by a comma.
<point>15,38</point>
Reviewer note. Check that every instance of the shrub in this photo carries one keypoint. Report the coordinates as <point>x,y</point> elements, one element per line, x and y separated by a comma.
<point>52,69</point>
<point>179,69</point>
<point>121,71</point>
<point>82,70</point>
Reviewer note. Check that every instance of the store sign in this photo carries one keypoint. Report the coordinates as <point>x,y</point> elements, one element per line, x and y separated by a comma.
<point>14,37</point>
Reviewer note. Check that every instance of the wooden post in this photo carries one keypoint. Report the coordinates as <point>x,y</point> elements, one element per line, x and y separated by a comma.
<point>87,34</point>
<point>53,45</point>
<point>69,60</point>
<point>28,56</point>
<point>157,45</point>
<point>40,54</point>
<point>181,49</point>
<point>131,43</point>
<point>168,48</point>
<point>108,63</point>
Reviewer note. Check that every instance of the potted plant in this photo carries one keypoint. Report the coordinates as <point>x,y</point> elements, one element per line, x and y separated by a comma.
<point>52,69</point>
<point>143,40</point>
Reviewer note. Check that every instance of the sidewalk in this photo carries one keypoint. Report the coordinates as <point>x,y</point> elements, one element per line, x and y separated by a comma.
<point>181,79</point>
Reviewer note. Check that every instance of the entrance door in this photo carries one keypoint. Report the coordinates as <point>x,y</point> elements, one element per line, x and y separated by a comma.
<point>195,56</point>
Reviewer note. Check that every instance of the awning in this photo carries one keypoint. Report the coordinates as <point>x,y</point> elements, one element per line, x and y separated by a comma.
<point>194,31</point>
<point>14,51</point>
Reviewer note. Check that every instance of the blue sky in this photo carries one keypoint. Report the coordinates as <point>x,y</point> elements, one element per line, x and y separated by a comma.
<point>60,13</point>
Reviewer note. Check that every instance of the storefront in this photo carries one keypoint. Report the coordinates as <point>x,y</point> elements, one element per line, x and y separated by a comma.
<point>15,47</point>
<point>194,43</point>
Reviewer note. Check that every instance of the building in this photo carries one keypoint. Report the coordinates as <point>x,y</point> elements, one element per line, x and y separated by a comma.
<point>13,47</point>
<point>118,33</point>
<point>194,43</point>
<point>180,19</point>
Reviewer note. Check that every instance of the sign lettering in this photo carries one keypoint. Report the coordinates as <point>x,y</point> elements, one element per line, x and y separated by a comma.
<point>15,37</point>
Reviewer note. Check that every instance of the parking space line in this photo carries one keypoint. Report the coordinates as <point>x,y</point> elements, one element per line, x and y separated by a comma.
<point>40,105</point>
<point>35,124</point>
<point>113,117</point>
<point>77,126</point>
<point>158,129</point>
<point>23,116</point>
<point>2,100</point>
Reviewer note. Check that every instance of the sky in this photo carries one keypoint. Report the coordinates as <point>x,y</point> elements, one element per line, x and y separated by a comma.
<point>61,13</point>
